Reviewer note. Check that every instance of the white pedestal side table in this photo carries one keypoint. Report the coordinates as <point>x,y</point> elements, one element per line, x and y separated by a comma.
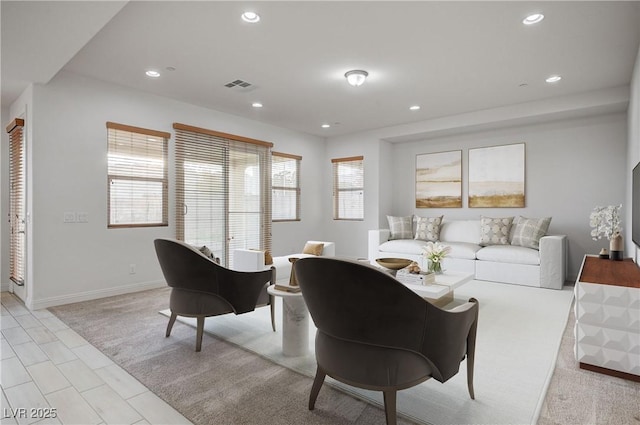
<point>295,322</point>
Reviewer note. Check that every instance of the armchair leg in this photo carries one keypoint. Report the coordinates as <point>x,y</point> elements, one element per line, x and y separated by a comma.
<point>471,353</point>
<point>390,406</point>
<point>470,376</point>
<point>199,331</point>
<point>272,305</point>
<point>315,388</point>
<point>172,320</point>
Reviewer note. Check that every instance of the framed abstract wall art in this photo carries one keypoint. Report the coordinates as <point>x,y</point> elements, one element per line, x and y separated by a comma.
<point>439,180</point>
<point>496,176</point>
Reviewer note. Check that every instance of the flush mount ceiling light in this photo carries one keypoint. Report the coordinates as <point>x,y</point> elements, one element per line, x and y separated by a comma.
<point>553,79</point>
<point>153,74</point>
<point>251,17</point>
<point>533,19</point>
<point>414,107</point>
<point>256,105</point>
<point>326,125</point>
<point>356,77</point>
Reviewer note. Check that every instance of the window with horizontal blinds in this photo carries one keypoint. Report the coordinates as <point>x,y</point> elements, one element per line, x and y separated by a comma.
<point>138,184</point>
<point>17,201</point>
<point>223,191</point>
<point>348,188</point>
<point>285,186</point>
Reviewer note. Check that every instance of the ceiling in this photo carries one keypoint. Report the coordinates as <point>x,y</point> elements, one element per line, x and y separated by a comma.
<point>448,57</point>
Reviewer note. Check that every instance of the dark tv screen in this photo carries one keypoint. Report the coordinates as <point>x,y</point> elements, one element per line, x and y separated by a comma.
<point>635,207</point>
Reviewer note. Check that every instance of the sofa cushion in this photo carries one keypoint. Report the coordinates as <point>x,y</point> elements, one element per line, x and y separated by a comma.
<point>268,258</point>
<point>403,246</point>
<point>528,231</point>
<point>313,248</point>
<point>460,231</point>
<point>428,228</point>
<point>400,227</point>
<point>463,250</point>
<point>509,254</point>
<point>495,231</point>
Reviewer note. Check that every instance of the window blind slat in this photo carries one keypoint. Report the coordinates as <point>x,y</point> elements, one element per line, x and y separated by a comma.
<point>285,187</point>
<point>223,192</point>
<point>348,188</point>
<point>17,202</point>
<point>137,176</point>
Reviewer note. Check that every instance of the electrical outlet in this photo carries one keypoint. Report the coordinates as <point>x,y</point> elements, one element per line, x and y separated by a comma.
<point>132,269</point>
<point>69,217</point>
<point>82,217</point>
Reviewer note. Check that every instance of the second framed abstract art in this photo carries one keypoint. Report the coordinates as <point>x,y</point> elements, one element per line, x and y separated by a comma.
<point>497,176</point>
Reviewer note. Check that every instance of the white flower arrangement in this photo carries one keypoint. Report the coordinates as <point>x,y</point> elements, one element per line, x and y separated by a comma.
<point>435,253</point>
<point>605,222</point>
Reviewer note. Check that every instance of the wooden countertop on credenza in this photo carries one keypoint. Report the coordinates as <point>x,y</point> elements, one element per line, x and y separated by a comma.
<point>610,272</point>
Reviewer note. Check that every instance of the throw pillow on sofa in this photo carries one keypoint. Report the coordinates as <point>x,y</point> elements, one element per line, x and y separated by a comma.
<point>313,248</point>
<point>400,227</point>
<point>528,231</point>
<point>495,231</point>
<point>428,228</point>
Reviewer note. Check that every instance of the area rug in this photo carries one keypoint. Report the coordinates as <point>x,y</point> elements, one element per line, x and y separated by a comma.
<point>222,385</point>
<point>519,334</point>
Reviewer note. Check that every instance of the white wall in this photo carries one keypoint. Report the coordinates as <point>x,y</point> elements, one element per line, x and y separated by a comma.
<point>4,201</point>
<point>633,150</point>
<point>79,261</point>
<point>572,165</point>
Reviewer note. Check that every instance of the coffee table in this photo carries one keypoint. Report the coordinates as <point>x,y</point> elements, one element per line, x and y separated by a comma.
<point>440,293</point>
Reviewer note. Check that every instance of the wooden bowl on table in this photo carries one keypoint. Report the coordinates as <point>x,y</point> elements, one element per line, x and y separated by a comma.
<point>393,263</point>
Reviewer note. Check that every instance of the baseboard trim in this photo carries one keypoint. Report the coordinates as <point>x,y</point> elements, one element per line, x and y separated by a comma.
<point>93,295</point>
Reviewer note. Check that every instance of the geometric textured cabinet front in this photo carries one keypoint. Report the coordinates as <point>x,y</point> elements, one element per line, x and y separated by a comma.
<point>607,327</point>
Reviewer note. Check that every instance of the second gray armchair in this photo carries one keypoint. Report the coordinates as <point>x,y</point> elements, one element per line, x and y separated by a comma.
<point>376,334</point>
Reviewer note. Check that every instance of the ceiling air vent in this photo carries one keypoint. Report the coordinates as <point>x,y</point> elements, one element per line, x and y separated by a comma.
<point>238,83</point>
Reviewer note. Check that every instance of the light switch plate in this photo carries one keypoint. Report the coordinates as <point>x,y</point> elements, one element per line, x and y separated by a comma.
<point>69,217</point>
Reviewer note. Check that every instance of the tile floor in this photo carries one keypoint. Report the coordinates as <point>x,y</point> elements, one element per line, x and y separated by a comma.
<point>51,375</point>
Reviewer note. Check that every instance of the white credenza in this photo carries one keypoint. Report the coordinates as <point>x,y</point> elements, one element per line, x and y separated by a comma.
<point>607,310</point>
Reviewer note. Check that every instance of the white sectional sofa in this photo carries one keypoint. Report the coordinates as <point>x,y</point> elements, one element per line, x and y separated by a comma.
<point>545,268</point>
<point>253,260</point>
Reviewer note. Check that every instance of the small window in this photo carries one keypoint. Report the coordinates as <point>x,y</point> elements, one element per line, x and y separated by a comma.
<point>137,177</point>
<point>348,188</point>
<point>285,187</point>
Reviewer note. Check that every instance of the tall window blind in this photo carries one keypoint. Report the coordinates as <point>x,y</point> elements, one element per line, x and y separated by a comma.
<point>285,186</point>
<point>223,191</point>
<point>348,188</point>
<point>17,201</point>
<point>137,177</point>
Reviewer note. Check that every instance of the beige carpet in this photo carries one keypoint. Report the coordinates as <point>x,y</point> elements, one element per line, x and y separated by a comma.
<point>223,384</point>
<point>519,333</point>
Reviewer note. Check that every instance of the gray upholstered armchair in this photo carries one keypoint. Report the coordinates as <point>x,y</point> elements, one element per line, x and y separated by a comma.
<point>203,288</point>
<point>375,333</point>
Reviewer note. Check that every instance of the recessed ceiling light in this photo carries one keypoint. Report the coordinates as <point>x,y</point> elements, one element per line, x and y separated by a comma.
<point>326,125</point>
<point>553,79</point>
<point>414,107</point>
<point>533,19</point>
<point>251,17</point>
<point>153,74</point>
<point>256,105</point>
<point>170,68</point>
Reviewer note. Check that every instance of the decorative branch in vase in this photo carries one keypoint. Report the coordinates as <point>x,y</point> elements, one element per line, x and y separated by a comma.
<point>435,253</point>
<point>605,222</point>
